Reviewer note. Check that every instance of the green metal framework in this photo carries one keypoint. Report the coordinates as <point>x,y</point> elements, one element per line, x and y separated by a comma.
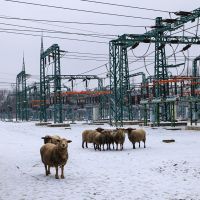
<point>21,95</point>
<point>120,106</point>
<point>85,78</point>
<point>119,70</point>
<point>51,55</point>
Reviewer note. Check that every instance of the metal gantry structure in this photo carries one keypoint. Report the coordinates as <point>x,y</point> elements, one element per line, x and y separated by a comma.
<point>50,56</point>
<point>21,95</point>
<point>119,69</point>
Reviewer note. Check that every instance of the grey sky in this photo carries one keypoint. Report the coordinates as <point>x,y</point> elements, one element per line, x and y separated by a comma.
<point>13,46</point>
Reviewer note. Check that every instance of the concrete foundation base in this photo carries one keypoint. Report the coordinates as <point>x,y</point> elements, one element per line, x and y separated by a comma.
<point>42,123</point>
<point>58,125</point>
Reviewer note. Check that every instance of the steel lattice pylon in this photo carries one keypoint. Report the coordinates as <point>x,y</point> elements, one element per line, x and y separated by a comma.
<point>120,107</point>
<point>52,54</point>
<point>21,95</point>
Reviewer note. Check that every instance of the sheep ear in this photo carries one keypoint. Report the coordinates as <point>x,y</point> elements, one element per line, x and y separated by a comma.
<point>58,140</point>
<point>46,137</point>
<point>99,129</point>
<point>69,141</point>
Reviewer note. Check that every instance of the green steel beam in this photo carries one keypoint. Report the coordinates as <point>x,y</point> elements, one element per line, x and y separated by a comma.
<point>51,54</point>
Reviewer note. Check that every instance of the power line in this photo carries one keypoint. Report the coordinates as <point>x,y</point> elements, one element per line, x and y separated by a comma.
<point>46,36</point>
<point>60,32</point>
<point>85,56</point>
<point>79,10</point>
<point>71,22</point>
<point>94,69</point>
<point>77,58</point>
<point>86,53</point>
<point>127,6</point>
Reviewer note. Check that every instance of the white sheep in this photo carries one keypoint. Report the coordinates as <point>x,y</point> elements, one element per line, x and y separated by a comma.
<point>55,155</point>
<point>137,135</point>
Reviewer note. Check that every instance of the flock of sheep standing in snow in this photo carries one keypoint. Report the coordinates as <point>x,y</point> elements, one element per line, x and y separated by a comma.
<point>101,137</point>
<point>54,152</point>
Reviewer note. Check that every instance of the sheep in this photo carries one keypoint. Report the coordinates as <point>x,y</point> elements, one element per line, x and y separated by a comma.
<point>108,133</point>
<point>99,139</point>
<point>51,139</point>
<point>119,137</point>
<point>136,135</point>
<point>55,155</point>
<point>87,137</point>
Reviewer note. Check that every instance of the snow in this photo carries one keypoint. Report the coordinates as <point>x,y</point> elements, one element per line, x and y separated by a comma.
<point>160,171</point>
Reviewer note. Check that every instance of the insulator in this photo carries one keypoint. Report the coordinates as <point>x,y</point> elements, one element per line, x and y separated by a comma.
<point>183,13</point>
<point>186,47</point>
<point>146,40</point>
<point>156,26</point>
<point>175,41</point>
<point>135,45</point>
<point>170,21</point>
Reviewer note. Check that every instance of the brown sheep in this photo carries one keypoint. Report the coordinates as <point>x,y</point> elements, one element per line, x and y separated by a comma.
<point>119,137</point>
<point>55,155</point>
<point>87,137</point>
<point>136,136</point>
<point>99,140</point>
<point>54,139</point>
<point>108,137</point>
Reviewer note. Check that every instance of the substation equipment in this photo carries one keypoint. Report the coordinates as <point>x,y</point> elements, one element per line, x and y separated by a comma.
<point>158,103</point>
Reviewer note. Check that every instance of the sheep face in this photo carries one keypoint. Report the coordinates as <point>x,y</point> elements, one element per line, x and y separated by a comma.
<point>63,143</point>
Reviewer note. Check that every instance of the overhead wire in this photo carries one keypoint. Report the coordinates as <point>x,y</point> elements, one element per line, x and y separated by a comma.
<point>79,10</point>
<point>127,6</point>
<point>61,32</point>
<point>55,37</point>
<point>71,22</point>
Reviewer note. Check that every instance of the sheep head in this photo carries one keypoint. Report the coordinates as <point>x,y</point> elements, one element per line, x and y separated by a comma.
<point>128,130</point>
<point>63,143</point>
<point>47,139</point>
<point>99,130</point>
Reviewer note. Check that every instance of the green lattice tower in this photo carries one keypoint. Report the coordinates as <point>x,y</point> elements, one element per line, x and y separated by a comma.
<point>21,95</point>
<point>51,55</point>
<point>119,84</point>
<point>194,87</point>
<point>161,90</point>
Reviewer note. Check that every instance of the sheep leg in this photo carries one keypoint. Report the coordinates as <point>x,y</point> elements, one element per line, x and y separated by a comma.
<point>86,145</point>
<point>139,144</point>
<point>133,145</point>
<point>56,176</point>
<point>108,146</point>
<point>94,146</point>
<point>46,170</point>
<point>113,145</point>
<point>103,148</point>
<point>121,147</point>
<point>62,172</point>
<point>144,143</point>
<point>116,146</point>
<point>83,144</point>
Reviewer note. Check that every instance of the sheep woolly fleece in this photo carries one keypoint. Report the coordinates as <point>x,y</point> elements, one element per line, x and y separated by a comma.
<point>158,172</point>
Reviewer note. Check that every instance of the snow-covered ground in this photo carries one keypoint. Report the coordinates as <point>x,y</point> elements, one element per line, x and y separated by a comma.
<point>161,171</point>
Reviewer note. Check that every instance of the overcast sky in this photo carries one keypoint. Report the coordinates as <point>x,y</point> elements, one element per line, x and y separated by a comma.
<point>13,45</point>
